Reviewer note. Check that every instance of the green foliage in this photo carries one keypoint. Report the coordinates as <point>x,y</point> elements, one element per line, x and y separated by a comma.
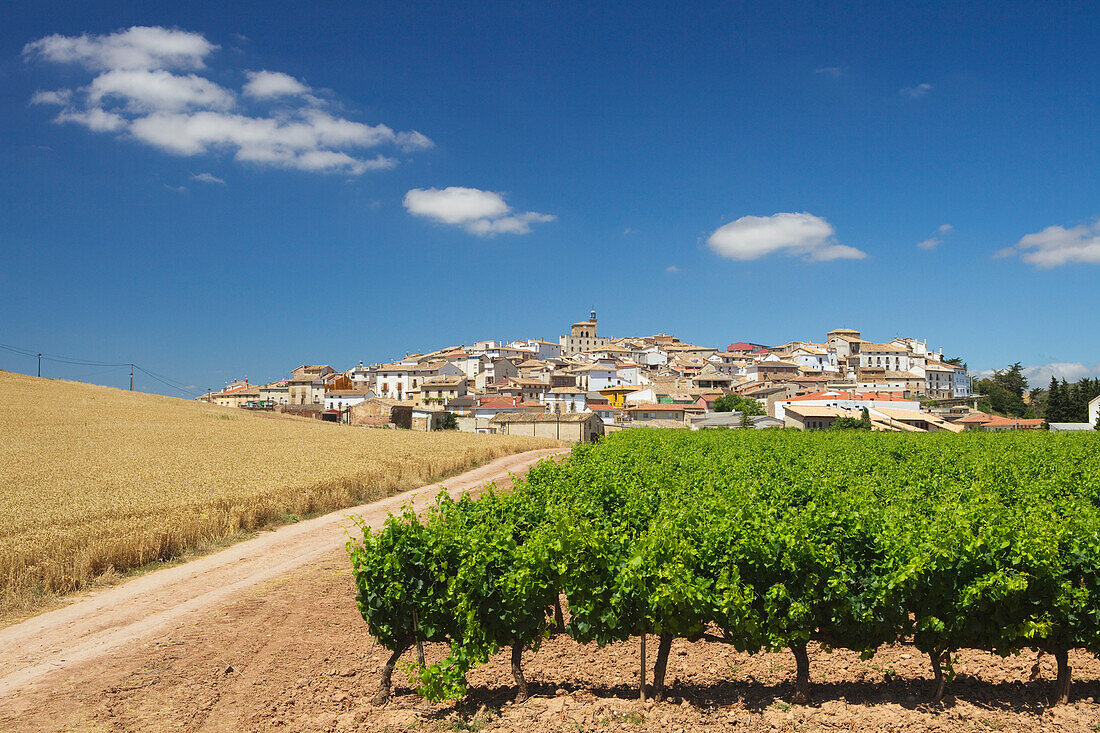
<point>1004,391</point>
<point>449,422</point>
<point>737,403</point>
<point>863,422</point>
<point>774,538</point>
<point>726,403</point>
<point>1067,402</point>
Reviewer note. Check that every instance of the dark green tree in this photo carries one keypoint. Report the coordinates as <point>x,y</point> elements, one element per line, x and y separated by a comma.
<point>725,403</point>
<point>1055,407</point>
<point>749,406</point>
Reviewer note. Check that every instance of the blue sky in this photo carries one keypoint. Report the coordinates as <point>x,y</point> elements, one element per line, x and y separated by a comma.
<point>223,189</point>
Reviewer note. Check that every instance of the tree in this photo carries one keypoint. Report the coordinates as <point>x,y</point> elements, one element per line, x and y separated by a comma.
<point>746,420</point>
<point>726,403</point>
<point>850,423</point>
<point>1055,408</point>
<point>1012,380</point>
<point>1004,392</point>
<point>449,422</point>
<point>737,403</point>
<point>750,406</point>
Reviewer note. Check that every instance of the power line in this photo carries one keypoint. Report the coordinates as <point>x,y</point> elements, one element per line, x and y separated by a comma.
<point>61,359</point>
<point>71,361</point>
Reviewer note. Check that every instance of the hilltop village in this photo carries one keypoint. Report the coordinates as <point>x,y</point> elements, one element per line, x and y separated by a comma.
<point>584,385</point>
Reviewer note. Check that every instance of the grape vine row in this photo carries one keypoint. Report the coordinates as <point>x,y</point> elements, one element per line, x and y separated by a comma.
<point>761,539</point>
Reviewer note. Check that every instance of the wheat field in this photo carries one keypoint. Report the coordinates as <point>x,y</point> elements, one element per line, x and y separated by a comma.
<point>97,480</point>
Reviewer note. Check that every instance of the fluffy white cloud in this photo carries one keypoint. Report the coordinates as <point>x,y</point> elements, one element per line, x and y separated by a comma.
<point>95,120</point>
<point>916,92</point>
<point>149,91</point>
<point>135,91</point>
<point>834,71</point>
<point>933,242</point>
<point>268,84</point>
<point>455,204</point>
<point>206,178</point>
<point>480,212</point>
<point>140,47</point>
<point>801,234</point>
<point>1057,245</point>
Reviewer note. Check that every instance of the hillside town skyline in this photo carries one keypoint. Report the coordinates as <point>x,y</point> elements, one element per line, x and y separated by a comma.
<point>586,380</point>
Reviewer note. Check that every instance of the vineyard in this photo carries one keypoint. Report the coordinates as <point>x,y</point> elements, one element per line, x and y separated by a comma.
<point>764,540</point>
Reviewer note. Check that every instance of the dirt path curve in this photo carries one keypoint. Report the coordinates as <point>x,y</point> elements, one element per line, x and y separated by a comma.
<point>93,626</point>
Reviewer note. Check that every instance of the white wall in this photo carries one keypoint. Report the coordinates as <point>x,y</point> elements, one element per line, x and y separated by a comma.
<point>781,405</point>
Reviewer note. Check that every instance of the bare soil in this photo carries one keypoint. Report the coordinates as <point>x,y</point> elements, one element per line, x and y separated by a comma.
<point>270,639</point>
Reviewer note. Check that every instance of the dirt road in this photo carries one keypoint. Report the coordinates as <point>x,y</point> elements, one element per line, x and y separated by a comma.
<point>93,626</point>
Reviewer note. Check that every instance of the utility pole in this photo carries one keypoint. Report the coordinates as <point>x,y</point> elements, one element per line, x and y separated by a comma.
<point>40,365</point>
<point>131,377</point>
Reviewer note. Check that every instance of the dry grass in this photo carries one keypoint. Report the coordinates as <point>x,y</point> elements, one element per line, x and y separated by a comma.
<point>96,480</point>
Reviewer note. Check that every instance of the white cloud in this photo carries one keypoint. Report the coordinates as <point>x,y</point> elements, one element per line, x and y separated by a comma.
<point>916,92</point>
<point>59,97</point>
<point>801,234</point>
<point>1057,245</point>
<point>834,71</point>
<point>479,212</point>
<point>135,92</point>
<point>206,178</point>
<point>455,204</point>
<point>140,47</point>
<point>267,84</point>
<point>518,224</point>
<point>672,268</point>
<point>150,91</point>
<point>1038,375</point>
<point>413,140</point>
<point>933,242</point>
<point>95,120</point>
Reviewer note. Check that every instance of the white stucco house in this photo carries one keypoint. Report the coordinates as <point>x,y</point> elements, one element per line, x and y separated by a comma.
<point>342,400</point>
<point>393,381</point>
<point>846,401</point>
<point>564,400</point>
<point>960,383</point>
<point>1094,410</point>
<point>814,359</point>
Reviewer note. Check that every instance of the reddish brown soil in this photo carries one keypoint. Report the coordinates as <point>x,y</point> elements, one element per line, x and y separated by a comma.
<point>292,653</point>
